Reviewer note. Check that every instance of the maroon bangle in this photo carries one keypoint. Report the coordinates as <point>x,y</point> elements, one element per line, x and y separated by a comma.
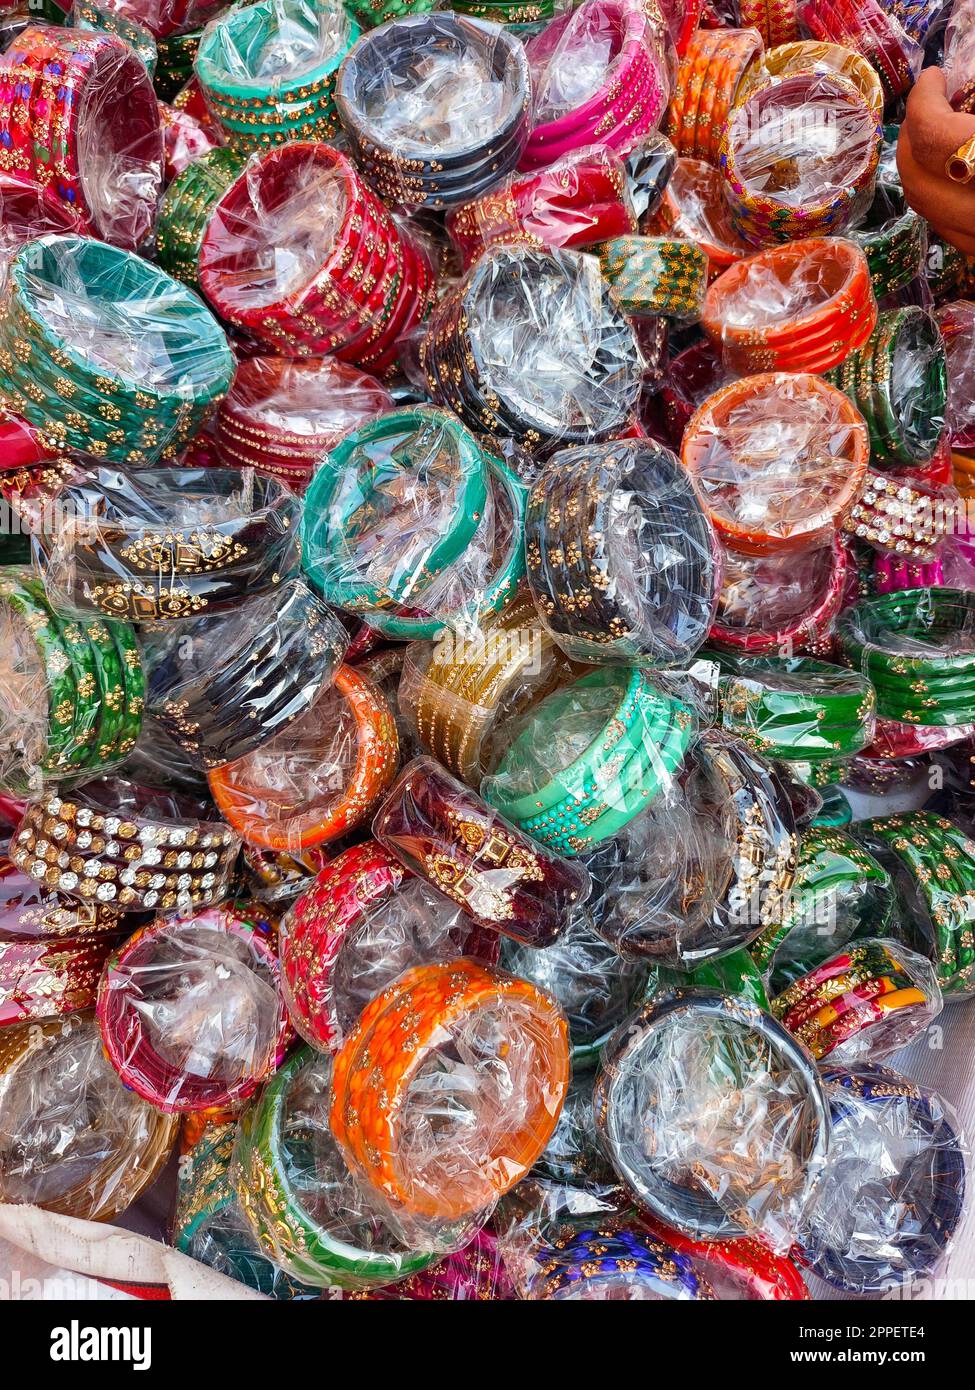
<point>803,632</point>
<point>44,979</point>
<point>502,879</point>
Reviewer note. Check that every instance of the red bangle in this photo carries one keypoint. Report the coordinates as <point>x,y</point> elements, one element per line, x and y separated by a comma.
<point>44,979</point>
<point>806,627</point>
<point>27,211</point>
<point>164,953</point>
<point>867,28</point>
<point>747,1263</point>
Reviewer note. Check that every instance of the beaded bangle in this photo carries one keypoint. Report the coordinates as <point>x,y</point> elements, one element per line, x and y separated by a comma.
<point>797,707</point>
<point>651,275</point>
<point>895,245</point>
<point>695,209</point>
<point>29,912</point>
<point>804,630</point>
<point>747,1264</point>
<point>713,72</point>
<point>186,208</point>
<point>111,1145</point>
<point>44,979</point>
<point>907,521</point>
<point>776,20</point>
<point>99,19</point>
<point>586,1263</point>
<point>176,54</point>
<point>381,1059</point>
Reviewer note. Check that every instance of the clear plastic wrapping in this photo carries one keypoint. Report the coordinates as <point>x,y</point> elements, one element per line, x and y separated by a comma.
<point>957,323</point>
<point>959,56</point>
<point>695,207</point>
<point>780,603</point>
<point>31,912</point>
<point>872,29</point>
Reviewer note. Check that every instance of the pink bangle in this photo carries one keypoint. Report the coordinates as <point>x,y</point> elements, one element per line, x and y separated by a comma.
<point>891,572</point>
<point>809,630</point>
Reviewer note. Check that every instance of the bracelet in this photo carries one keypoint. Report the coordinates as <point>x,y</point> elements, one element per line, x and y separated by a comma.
<point>595,517</point>
<point>890,574</point>
<point>871,30</point>
<point>764,611</point>
<point>748,1264</point>
<point>694,208</point>
<point>132,550</point>
<point>713,72</point>
<point>186,208</point>
<point>161,990</point>
<point>672,1176</point>
<point>895,244</point>
<point>785,59</point>
<point>92,399</point>
<point>175,56</point>
<point>821,456</point>
<point>372,282</point>
<point>796,707</point>
<point>78,116</point>
<point>375,1070</point>
<point>656,276</point>
<point>29,912</point>
<point>28,211</point>
<point>575,1264</point>
<point>900,519</point>
<point>398,124</point>
<point>47,979</point>
<point>110,1145</point>
<point>776,20</point>
<point>571,402</point>
<point>99,19</point>
<point>260,795</point>
<point>476,1273</point>
<point>823,307</point>
<point>445,833</point>
<point>122,844</point>
<point>334,1244</point>
<point>870,1106</point>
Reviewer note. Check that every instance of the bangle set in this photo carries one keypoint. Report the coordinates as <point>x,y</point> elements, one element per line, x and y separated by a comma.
<point>110,1145</point>
<point>443,832</point>
<point>800,307</point>
<point>654,276</point>
<point>78,116</point>
<point>76,321</point>
<point>629,98</point>
<point>99,19</point>
<point>597,518</point>
<point>713,73</point>
<point>378,1084</point>
<point>776,20</point>
<point>781,603</point>
<point>137,848</point>
<point>46,979</point>
<point>797,707</point>
<point>190,1011</point>
<point>917,649</point>
<point>871,29</point>
<point>907,521</point>
<point>283,796</point>
<point>31,912</point>
<point>175,56</point>
<point>165,543</point>
<point>785,59</point>
<point>749,1267</point>
<point>553,392</point>
<point>435,108</point>
<point>81,686</point>
<point>301,255</point>
<point>694,208</point>
<point>577,1264</point>
<point>186,208</point>
<point>894,240</point>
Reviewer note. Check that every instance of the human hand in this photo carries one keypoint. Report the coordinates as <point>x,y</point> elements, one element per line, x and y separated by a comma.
<point>930,135</point>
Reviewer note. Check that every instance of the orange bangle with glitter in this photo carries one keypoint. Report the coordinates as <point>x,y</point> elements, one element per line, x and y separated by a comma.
<point>516,1096</point>
<point>251,811</point>
<point>741,50</point>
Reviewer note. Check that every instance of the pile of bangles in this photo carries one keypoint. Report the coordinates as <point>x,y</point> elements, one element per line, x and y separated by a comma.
<point>487,646</point>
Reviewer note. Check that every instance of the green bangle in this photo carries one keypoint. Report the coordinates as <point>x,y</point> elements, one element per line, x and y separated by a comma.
<point>835,811</point>
<point>735,974</point>
<point>133,683</point>
<point>185,211</point>
<point>797,707</point>
<point>19,595</point>
<point>285,1231</point>
<point>339,502</point>
<point>372,13</point>
<point>174,64</point>
<point>98,19</point>
<point>652,275</point>
<point>895,250</point>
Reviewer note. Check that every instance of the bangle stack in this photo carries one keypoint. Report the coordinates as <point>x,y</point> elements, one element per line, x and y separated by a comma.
<point>798,708</point>
<point>31,912</point>
<point>589,1264</point>
<point>712,74</point>
<point>521,1033</point>
<point>694,208</point>
<point>630,98</point>
<point>871,29</point>
<point>895,243</point>
<point>655,276</point>
<point>75,322</point>
<point>800,307</point>
<point>825,59</point>
<point>596,518</point>
<point>46,979</point>
<point>776,20</point>
<point>467,370</point>
<point>633,756</point>
<point>99,19</point>
<point>83,691</point>
<point>916,647</point>
<point>175,56</point>
<point>906,520</point>
<point>186,208</point>
<point>364,281</point>
<point>444,138</point>
<point>781,603</point>
<point>132,847</point>
<point>445,833</point>
<point>79,117</point>
<point>747,1264</point>
<point>256,109</point>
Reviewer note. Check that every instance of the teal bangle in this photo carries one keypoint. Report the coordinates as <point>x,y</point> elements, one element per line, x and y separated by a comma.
<point>340,502</point>
<point>835,811</point>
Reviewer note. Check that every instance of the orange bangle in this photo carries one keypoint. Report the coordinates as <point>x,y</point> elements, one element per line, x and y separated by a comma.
<point>397,1034</point>
<point>243,806</point>
<point>681,120</point>
<point>738,57</point>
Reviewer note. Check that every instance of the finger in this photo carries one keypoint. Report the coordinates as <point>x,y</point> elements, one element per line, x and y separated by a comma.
<point>962,241</point>
<point>936,132</point>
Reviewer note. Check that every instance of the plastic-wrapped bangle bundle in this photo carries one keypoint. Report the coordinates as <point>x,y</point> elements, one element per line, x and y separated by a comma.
<point>268,70</point>
<point>504,1100</point>
<point>797,707</point>
<point>894,240</point>
<point>694,208</point>
<point>47,979</point>
<point>824,59</point>
<point>31,912</point>
<point>957,59</point>
<point>186,208</point>
<point>899,382</point>
<point>210,1226</point>
<point>582,199</point>
<point>801,307</point>
<point>175,56</point>
<point>281,417</point>
<point>656,276</point>
<point>106,353</point>
<point>714,1117</point>
<point>776,20</point>
<point>28,211</point>
<point>917,647</point>
<point>599,517</point>
<point>776,460</point>
<point>745,1267</point>
<point>79,117</point>
<point>166,543</point>
<point>476,1273</point>
<point>781,185</point>
<point>863,1004</point>
<point>932,863</point>
<point>247,675</point>
<point>905,520</point>
<point>600,78</point>
<point>190,1011</point>
<point>301,255</point>
<point>614,1262</point>
<point>632,740</point>
<point>435,108</point>
<point>305,1209</point>
<point>505,882</point>
<point>871,29</point>
<point>704,870</point>
<point>73,690</point>
<point>187,137</point>
<point>320,778</point>
<point>692,376</point>
<point>575,378</point>
<point>521,16</point>
<point>712,73</point>
<point>100,19</point>
<point>72,1139</point>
